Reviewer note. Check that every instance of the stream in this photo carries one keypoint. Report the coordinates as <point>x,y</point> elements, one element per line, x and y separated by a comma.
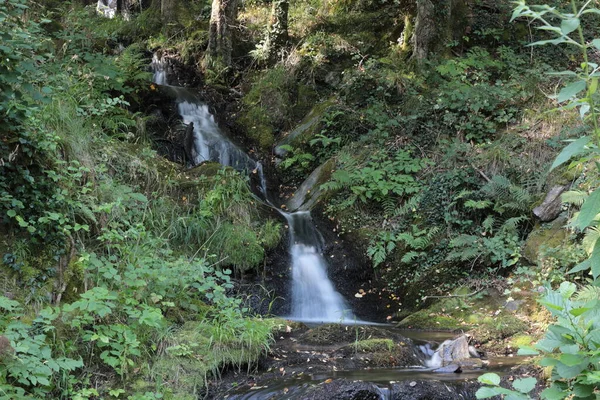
<point>314,299</point>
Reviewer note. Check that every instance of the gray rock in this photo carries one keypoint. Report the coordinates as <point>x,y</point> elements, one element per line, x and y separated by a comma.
<point>450,351</point>
<point>550,209</point>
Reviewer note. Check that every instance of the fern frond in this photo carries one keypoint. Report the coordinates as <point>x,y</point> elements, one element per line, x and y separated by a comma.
<point>488,223</point>
<point>512,224</point>
<point>410,256</point>
<point>588,293</point>
<point>389,204</point>
<point>589,240</point>
<point>574,197</point>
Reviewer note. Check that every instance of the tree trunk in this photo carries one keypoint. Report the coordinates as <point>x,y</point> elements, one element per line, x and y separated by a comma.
<point>425,29</point>
<point>277,34</point>
<point>168,10</point>
<point>223,15</point>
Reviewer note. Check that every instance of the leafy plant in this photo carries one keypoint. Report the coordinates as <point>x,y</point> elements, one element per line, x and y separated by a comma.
<point>578,94</point>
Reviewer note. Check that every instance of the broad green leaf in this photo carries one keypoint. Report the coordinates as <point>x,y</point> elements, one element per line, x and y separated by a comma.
<point>569,25</point>
<point>570,91</point>
<point>580,267</point>
<point>574,148</point>
<point>543,42</point>
<point>525,385</point>
<point>571,371</point>
<point>553,393</point>
<point>583,390</point>
<point>489,379</point>
<point>596,43</point>
<point>563,73</point>
<point>589,210</point>
<point>527,351</point>
<point>571,359</point>
<point>486,392</point>
<point>593,87</point>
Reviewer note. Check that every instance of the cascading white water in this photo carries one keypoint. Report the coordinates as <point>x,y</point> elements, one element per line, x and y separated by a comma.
<point>160,70</point>
<point>209,143</point>
<point>314,299</point>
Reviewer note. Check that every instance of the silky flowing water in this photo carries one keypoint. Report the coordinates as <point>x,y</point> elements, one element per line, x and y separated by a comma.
<point>314,298</point>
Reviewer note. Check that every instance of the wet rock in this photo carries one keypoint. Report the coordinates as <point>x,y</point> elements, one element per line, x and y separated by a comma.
<point>451,351</point>
<point>433,390</point>
<point>343,389</point>
<point>310,192</point>
<point>552,205</point>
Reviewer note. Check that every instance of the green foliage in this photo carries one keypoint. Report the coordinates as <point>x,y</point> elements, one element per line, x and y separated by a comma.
<point>498,242</point>
<point>268,105</point>
<point>575,334</point>
<point>579,94</point>
<point>474,96</point>
<point>378,177</point>
<point>521,387</point>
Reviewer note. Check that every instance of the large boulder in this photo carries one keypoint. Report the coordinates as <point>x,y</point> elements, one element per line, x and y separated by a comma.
<point>547,236</point>
<point>310,126</point>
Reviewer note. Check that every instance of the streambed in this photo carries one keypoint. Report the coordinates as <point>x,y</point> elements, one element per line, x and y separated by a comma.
<point>305,364</point>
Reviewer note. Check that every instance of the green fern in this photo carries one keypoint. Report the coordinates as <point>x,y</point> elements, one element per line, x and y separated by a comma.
<point>574,197</point>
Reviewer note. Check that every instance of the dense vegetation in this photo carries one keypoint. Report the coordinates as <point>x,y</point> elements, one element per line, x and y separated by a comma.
<point>436,143</point>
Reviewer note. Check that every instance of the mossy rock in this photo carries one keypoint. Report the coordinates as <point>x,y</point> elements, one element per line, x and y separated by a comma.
<point>307,128</point>
<point>498,327</point>
<point>552,235</point>
<point>374,345</point>
<point>330,334</point>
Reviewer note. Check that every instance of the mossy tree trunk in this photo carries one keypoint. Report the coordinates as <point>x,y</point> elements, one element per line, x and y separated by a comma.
<point>277,33</point>
<point>425,30</point>
<point>220,42</point>
<point>437,25</point>
<point>168,10</point>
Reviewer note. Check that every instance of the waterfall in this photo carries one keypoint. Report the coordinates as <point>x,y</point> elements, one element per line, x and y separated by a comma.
<point>209,142</point>
<point>314,299</point>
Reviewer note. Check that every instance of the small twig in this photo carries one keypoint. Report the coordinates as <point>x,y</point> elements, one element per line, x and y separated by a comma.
<point>481,173</point>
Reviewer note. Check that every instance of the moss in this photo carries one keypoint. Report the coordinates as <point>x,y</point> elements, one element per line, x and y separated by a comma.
<point>499,327</point>
<point>521,340</point>
<point>267,107</point>
<point>374,345</point>
<point>334,333</point>
<point>549,236</point>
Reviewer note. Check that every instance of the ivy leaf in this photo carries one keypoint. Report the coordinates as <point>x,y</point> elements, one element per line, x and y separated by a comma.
<point>569,25</point>
<point>572,149</point>
<point>525,385</point>
<point>571,90</point>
